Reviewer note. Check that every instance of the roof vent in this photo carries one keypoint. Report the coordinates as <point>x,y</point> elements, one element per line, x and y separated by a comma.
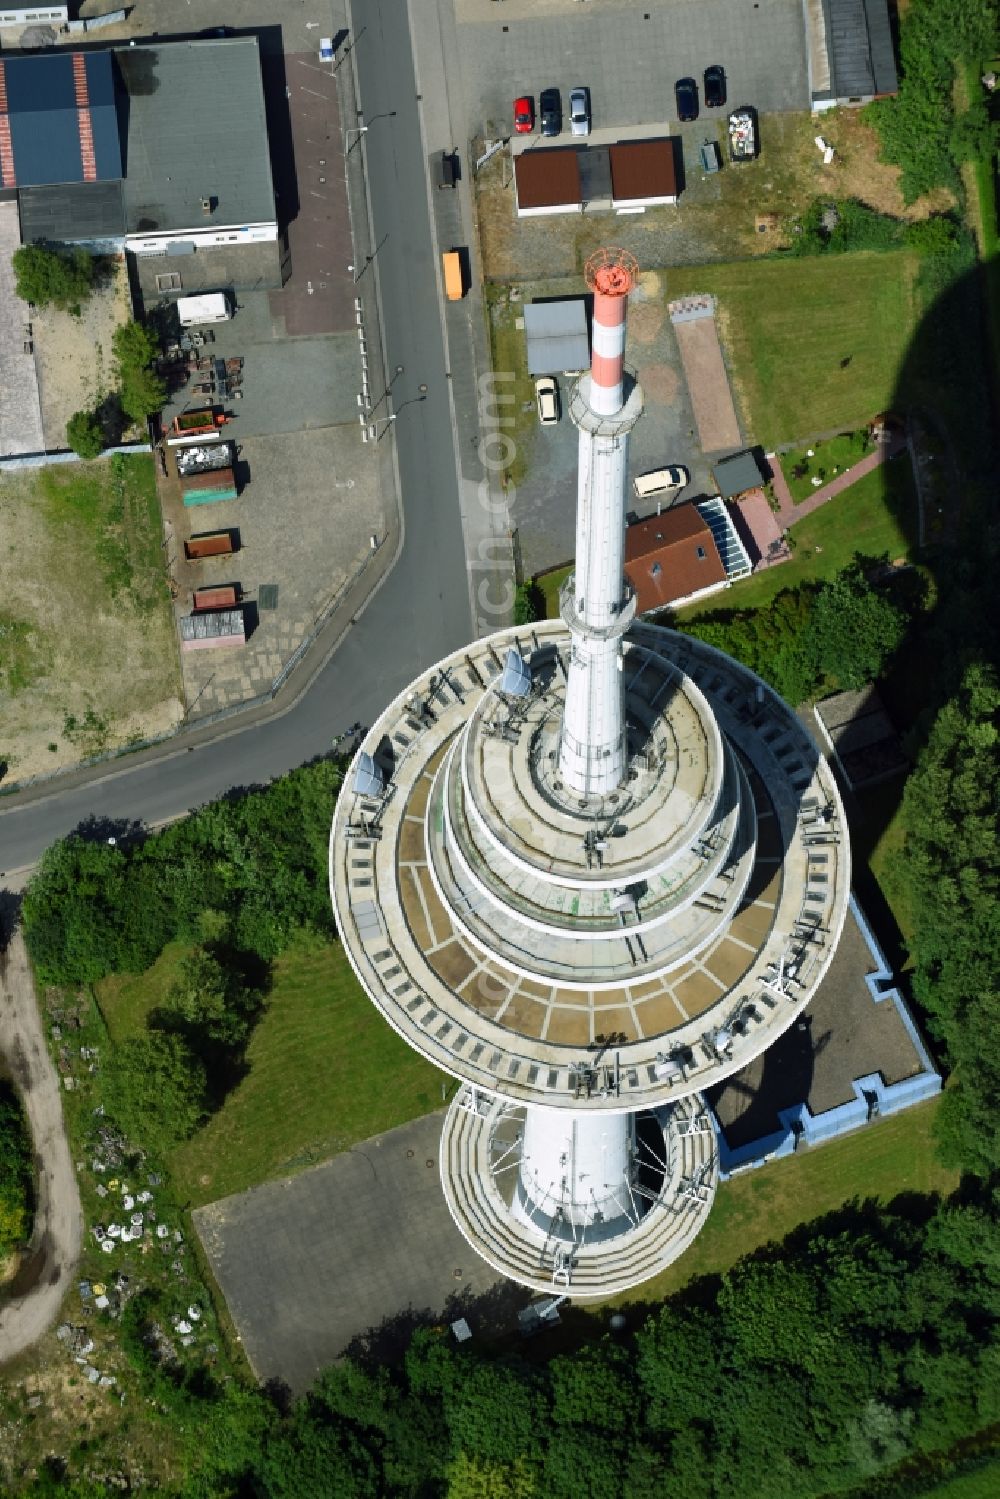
<point>206,205</point>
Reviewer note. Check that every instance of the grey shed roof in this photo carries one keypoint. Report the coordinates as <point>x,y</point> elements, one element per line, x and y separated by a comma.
<point>72,212</point>
<point>859,46</point>
<point>195,129</point>
<point>557,336</point>
<point>736,474</point>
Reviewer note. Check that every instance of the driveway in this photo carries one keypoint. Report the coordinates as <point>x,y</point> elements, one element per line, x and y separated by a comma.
<point>44,1278</point>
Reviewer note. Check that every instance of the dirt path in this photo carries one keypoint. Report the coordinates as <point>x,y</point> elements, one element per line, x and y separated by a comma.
<point>37,1291</point>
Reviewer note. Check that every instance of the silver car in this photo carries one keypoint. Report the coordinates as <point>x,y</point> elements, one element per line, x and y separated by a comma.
<point>579,111</point>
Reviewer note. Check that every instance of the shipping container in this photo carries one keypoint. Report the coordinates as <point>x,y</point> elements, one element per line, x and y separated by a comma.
<point>454,284</point>
<point>209,544</point>
<point>223,596</point>
<point>210,307</point>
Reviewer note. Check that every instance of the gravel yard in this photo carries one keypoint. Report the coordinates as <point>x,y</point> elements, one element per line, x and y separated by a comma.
<point>73,354</point>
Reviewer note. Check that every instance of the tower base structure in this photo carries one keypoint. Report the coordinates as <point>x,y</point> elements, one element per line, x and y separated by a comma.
<point>590,960</point>
<point>517,1212</point>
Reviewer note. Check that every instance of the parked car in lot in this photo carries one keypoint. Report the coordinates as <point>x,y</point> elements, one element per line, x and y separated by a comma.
<point>547,399</point>
<point>715,87</point>
<point>686,95</point>
<point>550,111</point>
<point>579,111</point>
<point>669,480</point>
<point>524,115</point>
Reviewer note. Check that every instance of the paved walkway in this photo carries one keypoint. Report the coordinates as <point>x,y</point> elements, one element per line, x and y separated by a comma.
<point>44,1278</point>
<point>705,371</point>
<point>789,513</point>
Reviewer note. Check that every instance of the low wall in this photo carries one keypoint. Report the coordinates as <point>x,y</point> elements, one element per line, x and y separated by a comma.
<point>873,1097</point>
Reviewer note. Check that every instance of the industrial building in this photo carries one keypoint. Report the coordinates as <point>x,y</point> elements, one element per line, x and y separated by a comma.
<point>159,150</point>
<point>629,175</point>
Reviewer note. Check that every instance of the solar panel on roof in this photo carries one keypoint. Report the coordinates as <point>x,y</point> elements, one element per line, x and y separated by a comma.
<point>368,778</point>
<point>515,680</point>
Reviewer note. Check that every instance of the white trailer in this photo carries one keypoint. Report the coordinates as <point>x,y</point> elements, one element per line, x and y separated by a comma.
<point>210,307</point>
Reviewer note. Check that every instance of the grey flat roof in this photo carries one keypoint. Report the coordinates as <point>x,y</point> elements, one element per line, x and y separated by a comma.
<point>859,46</point>
<point>556,333</point>
<point>45,118</point>
<point>195,129</point>
<point>736,474</point>
<point>71,212</point>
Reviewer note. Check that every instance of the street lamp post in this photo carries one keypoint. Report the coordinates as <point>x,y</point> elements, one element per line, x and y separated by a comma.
<point>359,130</point>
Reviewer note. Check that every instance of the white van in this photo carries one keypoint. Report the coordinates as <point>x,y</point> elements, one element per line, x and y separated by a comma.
<point>669,480</point>
<point>210,307</point>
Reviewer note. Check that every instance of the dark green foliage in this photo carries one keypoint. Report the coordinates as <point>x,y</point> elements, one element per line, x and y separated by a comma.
<point>258,859</point>
<point>134,346</point>
<point>917,128</point>
<point>17,1177</point>
<point>155,1089</point>
<point>529,604</point>
<point>209,1005</point>
<point>140,389</point>
<point>85,435</point>
<point>62,278</point>
<point>813,638</point>
<point>141,393</point>
<point>952,851</point>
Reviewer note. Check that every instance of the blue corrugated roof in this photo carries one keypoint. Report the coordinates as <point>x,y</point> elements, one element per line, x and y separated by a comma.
<point>44,120</point>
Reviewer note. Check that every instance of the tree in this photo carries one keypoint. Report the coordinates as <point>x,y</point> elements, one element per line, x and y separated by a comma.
<point>85,434</point>
<point>16,1175</point>
<point>62,279</point>
<point>154,1088</point>
<point>134,346</point>
<point>141,393</point>
<point>209,1004</point>
<point>855,629</point>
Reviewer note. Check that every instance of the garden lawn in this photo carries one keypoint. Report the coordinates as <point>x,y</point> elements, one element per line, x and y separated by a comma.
<point>884,1159</point>
<point>813,345</point>
<point>983,1483</point>
<point>324,1071</point>
<point>829,459</point>
<point>868,518</point>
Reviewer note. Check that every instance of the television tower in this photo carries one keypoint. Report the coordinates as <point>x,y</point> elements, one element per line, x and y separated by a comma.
<point>590,868</point>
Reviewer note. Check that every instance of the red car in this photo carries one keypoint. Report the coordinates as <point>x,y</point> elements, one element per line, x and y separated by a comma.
<point>524,115</point>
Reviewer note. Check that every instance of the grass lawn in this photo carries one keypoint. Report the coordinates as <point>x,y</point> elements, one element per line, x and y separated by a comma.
<point>517,416</point>
<point>861,519</point>
<point>813,345</point>
<point>550,584</point>
<point>325,1070</point>
<point>891,1156</point>
<point>88,655</point>
<point>828,459</point>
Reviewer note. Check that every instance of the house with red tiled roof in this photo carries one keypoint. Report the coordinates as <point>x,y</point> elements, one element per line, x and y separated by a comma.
<point>672,558</point>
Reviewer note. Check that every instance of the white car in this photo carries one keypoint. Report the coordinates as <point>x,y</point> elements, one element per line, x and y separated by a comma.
<point>547,398</point>
<point>579,111</point>
<point>668,480</point>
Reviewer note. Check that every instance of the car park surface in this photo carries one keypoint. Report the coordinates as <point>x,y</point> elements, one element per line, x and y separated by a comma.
<point>630,62</point>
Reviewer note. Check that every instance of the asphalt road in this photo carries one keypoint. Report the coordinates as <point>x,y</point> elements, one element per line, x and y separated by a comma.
<point>422,611</point>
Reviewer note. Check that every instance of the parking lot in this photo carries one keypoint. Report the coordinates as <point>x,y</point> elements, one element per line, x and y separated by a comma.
<point>628,55</point>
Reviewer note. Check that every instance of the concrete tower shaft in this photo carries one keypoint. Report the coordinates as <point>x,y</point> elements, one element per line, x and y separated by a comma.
<point>596,604</point>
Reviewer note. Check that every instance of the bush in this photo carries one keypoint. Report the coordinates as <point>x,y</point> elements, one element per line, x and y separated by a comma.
<point>16,1173</point>
<point>155,1090</point>
<point>53,278</point>
<point>85,435</point>
<point>133,346</point>
<point>529,604</point>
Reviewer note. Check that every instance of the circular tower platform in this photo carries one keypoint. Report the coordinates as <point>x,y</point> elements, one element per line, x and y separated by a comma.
<point>572,957</point>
